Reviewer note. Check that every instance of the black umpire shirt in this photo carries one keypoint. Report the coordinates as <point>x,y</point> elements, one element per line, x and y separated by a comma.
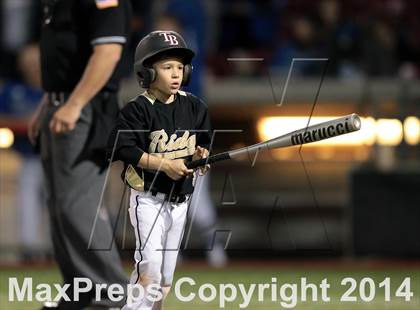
<point>165,130</point>
<point>70,30</point>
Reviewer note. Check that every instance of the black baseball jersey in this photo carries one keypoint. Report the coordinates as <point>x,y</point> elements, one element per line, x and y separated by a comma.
<point>166,130</point>
<point>70,30</point>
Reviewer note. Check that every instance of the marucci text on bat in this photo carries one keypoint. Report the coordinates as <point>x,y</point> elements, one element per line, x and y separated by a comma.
<point>320,133</point>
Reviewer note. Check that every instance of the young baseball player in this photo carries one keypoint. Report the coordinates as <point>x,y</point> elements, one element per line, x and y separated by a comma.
<point>155,134</point>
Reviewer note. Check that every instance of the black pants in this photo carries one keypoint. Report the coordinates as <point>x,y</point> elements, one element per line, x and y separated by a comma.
<point>81,231</point>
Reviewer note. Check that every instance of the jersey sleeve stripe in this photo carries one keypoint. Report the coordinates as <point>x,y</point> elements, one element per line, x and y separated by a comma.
<point>111,39</point>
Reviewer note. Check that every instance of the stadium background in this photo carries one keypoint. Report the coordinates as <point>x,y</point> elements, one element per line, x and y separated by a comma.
<point>346,207</point>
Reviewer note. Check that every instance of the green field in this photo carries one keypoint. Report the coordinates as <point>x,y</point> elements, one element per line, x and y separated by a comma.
<point>260,273</point>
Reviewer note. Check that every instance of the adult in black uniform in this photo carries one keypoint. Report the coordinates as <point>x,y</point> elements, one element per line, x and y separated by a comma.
<point>81,44</point>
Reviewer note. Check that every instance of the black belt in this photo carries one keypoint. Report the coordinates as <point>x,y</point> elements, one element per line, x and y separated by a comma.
<point>57,98</point>
<point>174,198</point>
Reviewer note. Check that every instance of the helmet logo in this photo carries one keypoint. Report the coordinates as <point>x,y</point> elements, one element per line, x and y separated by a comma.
<point>170,38</point>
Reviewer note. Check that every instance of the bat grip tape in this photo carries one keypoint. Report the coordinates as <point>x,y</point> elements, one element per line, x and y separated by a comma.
<point>209,160</point>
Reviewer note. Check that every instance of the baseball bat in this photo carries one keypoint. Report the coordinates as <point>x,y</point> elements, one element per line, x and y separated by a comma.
<point>314,133</point>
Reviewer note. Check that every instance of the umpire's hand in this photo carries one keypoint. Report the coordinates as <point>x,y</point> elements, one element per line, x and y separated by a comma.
<point>35,120</point>
<point>65,118</point>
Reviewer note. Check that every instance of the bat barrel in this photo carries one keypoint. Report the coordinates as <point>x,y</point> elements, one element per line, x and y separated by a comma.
<point>313,133</point>
<point>310,134</point>
<point>326,130</point>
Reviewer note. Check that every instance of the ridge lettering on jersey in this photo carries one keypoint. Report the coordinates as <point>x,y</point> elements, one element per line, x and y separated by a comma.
<point>170,38</point>
<point>161,143</point>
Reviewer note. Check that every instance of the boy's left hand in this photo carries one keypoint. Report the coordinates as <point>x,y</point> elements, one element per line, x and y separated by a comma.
<point>201,152</point>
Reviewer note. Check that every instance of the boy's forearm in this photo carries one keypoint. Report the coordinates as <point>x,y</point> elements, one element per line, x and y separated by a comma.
<point>152,162</point>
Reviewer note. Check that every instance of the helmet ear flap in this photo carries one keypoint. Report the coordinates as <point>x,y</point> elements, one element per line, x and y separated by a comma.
<point>145,76</point>
<point>188,68</point>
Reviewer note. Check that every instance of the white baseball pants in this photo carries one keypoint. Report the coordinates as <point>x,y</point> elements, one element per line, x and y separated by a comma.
<point>158,227</point>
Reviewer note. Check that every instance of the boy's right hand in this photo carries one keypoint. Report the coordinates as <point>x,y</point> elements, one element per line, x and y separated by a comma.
<point>176,169</point>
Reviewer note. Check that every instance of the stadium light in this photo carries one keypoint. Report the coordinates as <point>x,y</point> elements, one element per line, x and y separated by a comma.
<point>412,130</point>
<point>6,138</point>
<point>389,131</point>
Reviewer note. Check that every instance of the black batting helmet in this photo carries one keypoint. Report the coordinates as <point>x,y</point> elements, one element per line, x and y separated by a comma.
<point>155,45</point>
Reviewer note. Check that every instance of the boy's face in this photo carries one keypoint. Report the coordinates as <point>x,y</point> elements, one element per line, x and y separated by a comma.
<point>169,75</point>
